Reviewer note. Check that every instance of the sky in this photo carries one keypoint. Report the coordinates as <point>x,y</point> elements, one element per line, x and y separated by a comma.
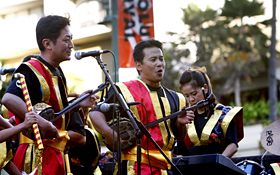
<point>168,14</point>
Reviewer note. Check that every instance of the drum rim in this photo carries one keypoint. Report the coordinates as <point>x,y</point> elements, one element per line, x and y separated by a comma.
<point>248,161</point>
<point>93,165</point>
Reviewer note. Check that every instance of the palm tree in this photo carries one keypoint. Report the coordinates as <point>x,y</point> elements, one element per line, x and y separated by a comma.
<point>237,10</point>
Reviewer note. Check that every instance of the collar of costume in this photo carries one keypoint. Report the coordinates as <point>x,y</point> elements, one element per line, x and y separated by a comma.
<point>221,115</point>
<point>276,168</point>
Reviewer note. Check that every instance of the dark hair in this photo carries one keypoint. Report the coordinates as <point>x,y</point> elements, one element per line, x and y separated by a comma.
<point>138,54</point>
<point>196,77</point>
<point>50,27</point>
<point>29,57</point>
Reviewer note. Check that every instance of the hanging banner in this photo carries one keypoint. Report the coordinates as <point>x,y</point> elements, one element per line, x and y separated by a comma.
<point>135,23</point>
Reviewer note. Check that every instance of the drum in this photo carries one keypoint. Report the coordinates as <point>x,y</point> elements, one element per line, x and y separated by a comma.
<point>250,167</point>
<point>84,160</point>
<point>45,111</point>
<point>127,133</point>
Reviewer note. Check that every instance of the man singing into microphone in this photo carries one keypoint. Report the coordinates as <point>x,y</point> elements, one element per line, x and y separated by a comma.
<point>47,84</point>
<point>159,102</point>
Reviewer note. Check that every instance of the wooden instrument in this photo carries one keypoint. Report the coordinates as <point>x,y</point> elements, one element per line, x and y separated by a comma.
<point>127,131</point>
<point>26,96</point>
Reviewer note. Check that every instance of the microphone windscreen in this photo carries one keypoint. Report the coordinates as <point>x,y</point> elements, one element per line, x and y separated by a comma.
<point>78,55</point>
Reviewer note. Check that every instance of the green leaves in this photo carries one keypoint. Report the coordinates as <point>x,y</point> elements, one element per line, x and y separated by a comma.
<point>195,17</point>
<point>241,8</point>
<point>257,112</point>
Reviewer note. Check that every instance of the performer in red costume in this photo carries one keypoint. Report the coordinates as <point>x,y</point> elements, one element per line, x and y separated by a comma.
<point>47,86</point>
<point>159,102</point>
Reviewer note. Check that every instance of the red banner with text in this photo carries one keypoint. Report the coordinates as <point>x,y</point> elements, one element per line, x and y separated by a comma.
<point>135,23</point>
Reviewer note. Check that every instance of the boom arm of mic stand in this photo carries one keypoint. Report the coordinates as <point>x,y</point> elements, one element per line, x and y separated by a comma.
<point>133,120</point>
<point>78,101</point>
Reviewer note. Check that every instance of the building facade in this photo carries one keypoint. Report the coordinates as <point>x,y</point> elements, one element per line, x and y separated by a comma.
<point>18,19</point>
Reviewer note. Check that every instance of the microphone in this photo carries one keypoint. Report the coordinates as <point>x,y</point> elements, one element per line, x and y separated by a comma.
<point>80,55</point>
<point>105,107</point>
<point>4,71</point>
<point>209,100</point>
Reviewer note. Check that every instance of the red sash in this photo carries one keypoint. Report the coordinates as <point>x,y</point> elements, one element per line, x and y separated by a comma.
<point>52,158</point>
<point>141,94</point>
<point>238,122</point>
<point>53,101</point>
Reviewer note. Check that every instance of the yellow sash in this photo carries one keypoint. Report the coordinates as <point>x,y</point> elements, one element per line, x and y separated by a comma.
<point>276,168</point>
<point>228,118</point>
<point>156,158</point>
<point>55,143</point>
<point>205,132</point>
<point>128,98</point>
<point>210,125</point>
<point>4,156</point>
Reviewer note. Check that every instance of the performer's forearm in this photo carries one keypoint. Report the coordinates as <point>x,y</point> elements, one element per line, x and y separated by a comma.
<point>181,131</point>
<point>99,122</point>
<point>15,104</point>
<point>230,150</point>
<point>76,139</point>
<point>11,168</point>
<point>10,132</point>
<point>4,123</point>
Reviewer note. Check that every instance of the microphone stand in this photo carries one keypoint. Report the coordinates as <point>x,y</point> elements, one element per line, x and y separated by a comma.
<point>78,101</point>
<point>263,172</point>
<point>119,146</point>
<point>133,119</point>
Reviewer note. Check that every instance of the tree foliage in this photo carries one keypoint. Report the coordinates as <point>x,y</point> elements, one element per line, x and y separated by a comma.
<point>224,42</point>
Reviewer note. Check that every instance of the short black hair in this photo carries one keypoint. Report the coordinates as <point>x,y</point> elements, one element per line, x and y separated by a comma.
<point>138,54</point>
<point>50,27</point>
